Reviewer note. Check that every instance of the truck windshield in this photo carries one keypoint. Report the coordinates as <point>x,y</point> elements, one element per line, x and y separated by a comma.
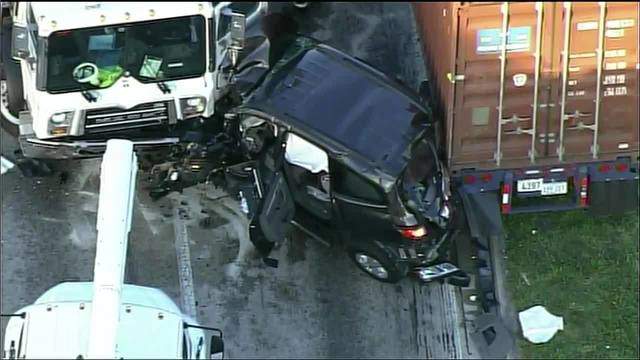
<point>155,51</point>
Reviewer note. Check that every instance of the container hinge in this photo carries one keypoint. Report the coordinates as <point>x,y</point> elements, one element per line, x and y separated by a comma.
<point>454,78</point>
<point>497,156</point>
<point>519,131</point>
<point>514,119</point>
<point>532,153</point>
<point>581,126</point>
<point>594,150</point>
<point>547,138</point>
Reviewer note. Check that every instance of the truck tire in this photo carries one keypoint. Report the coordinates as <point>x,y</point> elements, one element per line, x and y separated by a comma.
<point>373,261</point>
<point>13,80</point>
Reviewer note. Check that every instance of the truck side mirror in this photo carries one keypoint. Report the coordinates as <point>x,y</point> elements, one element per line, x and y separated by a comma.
<point>237,31</point>
<point>19,42</point>
<point>237,27</point>
<point>216,347</point>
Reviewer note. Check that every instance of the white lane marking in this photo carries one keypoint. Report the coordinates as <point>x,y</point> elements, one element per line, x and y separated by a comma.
<point>229,209</point>
<point>185,273</point>
<point>5,165</point>
<point>150,216</point>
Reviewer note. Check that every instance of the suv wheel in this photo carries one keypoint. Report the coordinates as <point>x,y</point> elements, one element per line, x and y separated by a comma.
<point>375,263</point>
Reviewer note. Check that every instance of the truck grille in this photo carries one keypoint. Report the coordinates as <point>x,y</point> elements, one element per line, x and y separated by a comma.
<point>110,119</point>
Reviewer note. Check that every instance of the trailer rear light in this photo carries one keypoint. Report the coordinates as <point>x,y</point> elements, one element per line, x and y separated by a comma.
<point>621,167</point>
<point>604,168</point>
<point>584,188</point>
<point>486,177</point>
<point>413,233</point>
<point>505,204</point>
<point>469,179</point>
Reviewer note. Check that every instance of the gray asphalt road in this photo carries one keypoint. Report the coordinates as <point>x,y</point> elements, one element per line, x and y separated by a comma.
<point>315,304</point>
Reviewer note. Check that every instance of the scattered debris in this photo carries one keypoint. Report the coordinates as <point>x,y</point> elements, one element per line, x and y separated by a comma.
<point>31,167</point>
<point>64,176</point>
<point>5,164</point>
<point>538,325</point>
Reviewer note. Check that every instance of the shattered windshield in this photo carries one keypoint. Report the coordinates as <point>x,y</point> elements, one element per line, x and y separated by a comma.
<point>155,51</point>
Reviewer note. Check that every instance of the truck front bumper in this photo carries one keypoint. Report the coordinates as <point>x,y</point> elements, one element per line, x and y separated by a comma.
<point>46,149</point>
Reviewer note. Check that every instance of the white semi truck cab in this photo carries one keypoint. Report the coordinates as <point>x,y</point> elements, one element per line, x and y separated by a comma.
<point>56,326</point>
<point>107,319</point>
<point>91,71</point>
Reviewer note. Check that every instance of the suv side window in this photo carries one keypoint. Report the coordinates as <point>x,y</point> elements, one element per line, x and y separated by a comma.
<point>347,182</point>
<point>246,8</point>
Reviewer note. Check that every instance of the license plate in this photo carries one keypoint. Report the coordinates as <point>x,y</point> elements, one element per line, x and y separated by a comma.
<point>551,188</point>
<point>554,188</point>
<point>530,185</point>
<point>436,271</point>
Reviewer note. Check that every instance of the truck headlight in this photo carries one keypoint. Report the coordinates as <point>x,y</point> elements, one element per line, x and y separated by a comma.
<point>60,123</point>
<point>193,106</point>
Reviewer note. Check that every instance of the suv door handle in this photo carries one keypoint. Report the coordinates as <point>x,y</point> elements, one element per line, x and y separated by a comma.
<point>318,194</point>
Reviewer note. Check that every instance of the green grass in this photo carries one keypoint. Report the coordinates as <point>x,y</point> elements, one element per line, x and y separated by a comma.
<point>584,269</point>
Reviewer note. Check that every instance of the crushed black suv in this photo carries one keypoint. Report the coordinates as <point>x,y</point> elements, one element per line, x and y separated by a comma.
<point>334,147</point>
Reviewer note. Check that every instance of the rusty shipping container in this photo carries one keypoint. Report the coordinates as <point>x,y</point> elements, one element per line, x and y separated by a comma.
<point>503,104</point>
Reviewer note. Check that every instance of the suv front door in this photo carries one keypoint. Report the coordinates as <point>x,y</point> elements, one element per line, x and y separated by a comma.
<point>264,195</point>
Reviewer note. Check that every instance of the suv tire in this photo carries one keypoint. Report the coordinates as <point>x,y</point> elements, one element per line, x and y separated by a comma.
<point>393,269</point>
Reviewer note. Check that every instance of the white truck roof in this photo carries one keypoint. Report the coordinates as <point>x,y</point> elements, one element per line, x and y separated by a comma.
<point>150,323</point>
<point>54,16</point>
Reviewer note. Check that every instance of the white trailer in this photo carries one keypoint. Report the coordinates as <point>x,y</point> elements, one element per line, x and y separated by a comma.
<point>107,319</point>
<point>79,73</point>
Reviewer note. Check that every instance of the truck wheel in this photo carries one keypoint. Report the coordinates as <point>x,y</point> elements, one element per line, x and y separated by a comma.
<point>14,104</point>
<point>13,81</point>
<point>376,263</point>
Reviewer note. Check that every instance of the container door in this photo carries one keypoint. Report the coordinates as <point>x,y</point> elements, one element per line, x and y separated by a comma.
<point>598,81</point>
<point>496,81</point>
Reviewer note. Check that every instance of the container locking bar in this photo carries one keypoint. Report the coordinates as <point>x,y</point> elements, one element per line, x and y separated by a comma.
<point>504,9</point>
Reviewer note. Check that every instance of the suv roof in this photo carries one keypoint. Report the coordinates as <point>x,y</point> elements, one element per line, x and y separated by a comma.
<point>345,100</point>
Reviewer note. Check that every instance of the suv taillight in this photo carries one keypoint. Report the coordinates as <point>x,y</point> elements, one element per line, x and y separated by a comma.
<point>413,233</point>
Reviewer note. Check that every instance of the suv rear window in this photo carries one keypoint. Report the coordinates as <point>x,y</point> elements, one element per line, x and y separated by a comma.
<point>347,182</point>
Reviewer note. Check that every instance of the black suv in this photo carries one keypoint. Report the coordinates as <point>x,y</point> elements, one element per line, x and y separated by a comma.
<point>348,155</point>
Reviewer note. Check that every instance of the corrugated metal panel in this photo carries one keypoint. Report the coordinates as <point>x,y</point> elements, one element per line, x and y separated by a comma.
<point>507,113</point>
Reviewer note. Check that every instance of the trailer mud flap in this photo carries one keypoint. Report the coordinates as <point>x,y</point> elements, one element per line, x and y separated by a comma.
<point>492,338</point>
<point>613,197</point>
<point>483,214</point>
